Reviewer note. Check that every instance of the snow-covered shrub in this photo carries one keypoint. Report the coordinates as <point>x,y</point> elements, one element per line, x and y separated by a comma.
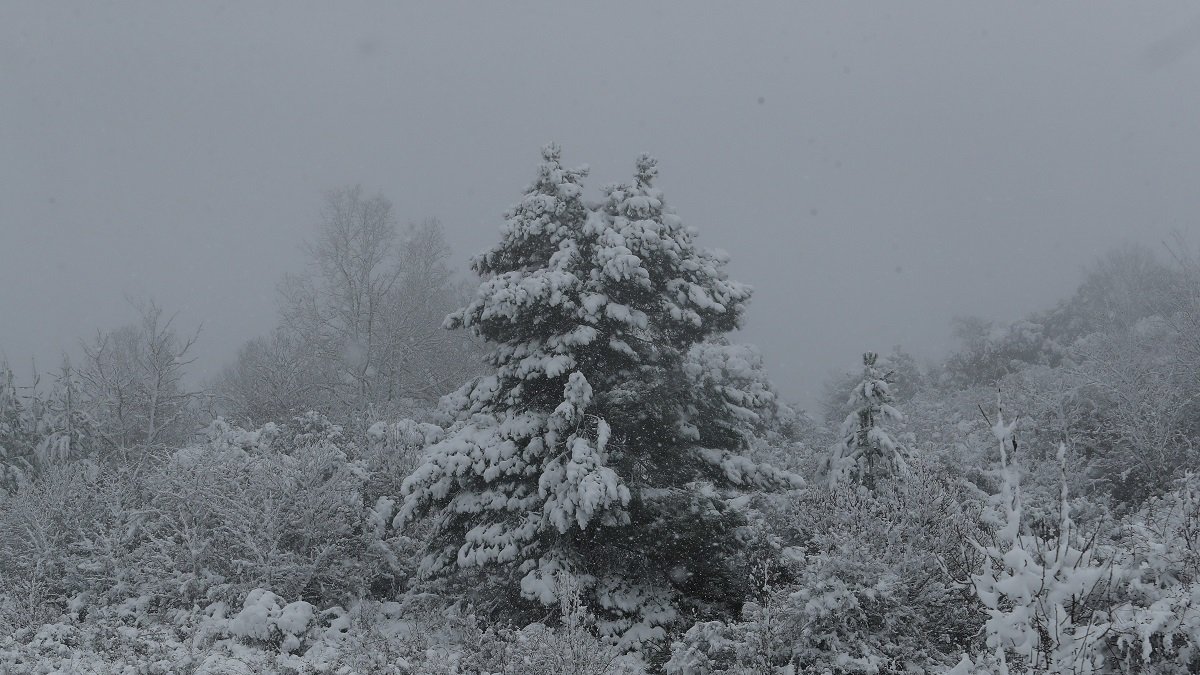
<point>708,648</point>
<point>571,646</point>
<point>876,575</point>
<point>1046,598</point>
<point>1162,636</point>
<point>393,450</point>
<point>953,434</point>
<point>105,642</point>
<point>1111,372</point>
<point>422,635</point>
<point>280,509</point>
<point>1143,392</point>
<point>224,437</point>
<point>268,619</point>
<point>863,582</point>
<point>239,513</point>
<point>1159,626</point>
<point>538,649</point>
<point>387,638</point>
<point>720,648</point>
<point>69,542</point>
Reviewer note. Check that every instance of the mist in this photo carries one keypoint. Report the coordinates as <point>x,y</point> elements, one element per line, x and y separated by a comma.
<point>530,338</point>
<point>872,173</point>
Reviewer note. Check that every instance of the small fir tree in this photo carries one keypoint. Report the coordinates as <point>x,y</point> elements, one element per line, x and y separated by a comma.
<point>867,451</point>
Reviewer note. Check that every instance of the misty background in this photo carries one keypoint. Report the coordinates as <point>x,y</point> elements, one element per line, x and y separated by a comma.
<point>872,173</point>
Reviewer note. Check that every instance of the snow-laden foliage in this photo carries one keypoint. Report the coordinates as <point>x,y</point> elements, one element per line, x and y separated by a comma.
<point>1145,400</point>
<point>868,452</point>
<point>270,635</point>
<point>855,582</point>
<point>280,508</point>
<point>18,436</point>
<point>1044,596</point>
<point>604,440</point>
<point>268,618</point>
<point>1158,629</point>
<point>571,647</point>
<point>40,427</point>
<point>907,378</point>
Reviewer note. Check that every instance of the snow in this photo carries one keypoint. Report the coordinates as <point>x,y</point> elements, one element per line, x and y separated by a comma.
<point>635,479</point>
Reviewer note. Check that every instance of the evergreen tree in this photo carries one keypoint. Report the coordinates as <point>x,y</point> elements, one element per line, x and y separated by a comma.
<point>39,427</point>
<point>62,424</point>
<point>601,446</point>
<point>17,439</point>
<point>867,451</point>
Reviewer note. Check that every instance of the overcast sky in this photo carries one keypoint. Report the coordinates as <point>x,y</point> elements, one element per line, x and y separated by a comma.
<point>873,168</point>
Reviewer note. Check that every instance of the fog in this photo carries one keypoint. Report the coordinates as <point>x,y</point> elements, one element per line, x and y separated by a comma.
<point>954,429</point>
<point>872,173</point>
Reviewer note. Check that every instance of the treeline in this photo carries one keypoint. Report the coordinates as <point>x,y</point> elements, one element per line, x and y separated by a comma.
<point>359,338</point>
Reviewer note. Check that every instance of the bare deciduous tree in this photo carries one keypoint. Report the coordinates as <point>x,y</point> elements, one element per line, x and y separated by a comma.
<point>338,307</point>
<point>362,326</point>
<point>428,360</point>
<point>274,377</point>
<point>132,381</point>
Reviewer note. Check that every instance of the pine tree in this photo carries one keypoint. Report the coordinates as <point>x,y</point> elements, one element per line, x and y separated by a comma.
<point>62,424</point>
<point>601,446</point>
<point>17,438</point>
<point>40,426</point>
<point>867,451</point>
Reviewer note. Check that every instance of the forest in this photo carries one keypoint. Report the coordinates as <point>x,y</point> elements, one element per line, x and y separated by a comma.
<point>561,461</point>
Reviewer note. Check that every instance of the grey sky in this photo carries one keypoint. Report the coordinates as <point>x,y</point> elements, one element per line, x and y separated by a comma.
<point>873,168</point>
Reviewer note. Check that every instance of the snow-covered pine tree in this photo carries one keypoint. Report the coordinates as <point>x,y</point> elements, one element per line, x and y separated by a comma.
<point>17,438</point>
<point>39,427</point>
<point>598,446</point>
<point>867,451</point>
<point>61,421</point>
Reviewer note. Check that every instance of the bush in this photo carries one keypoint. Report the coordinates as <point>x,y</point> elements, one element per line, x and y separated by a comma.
<point>865,582</point>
